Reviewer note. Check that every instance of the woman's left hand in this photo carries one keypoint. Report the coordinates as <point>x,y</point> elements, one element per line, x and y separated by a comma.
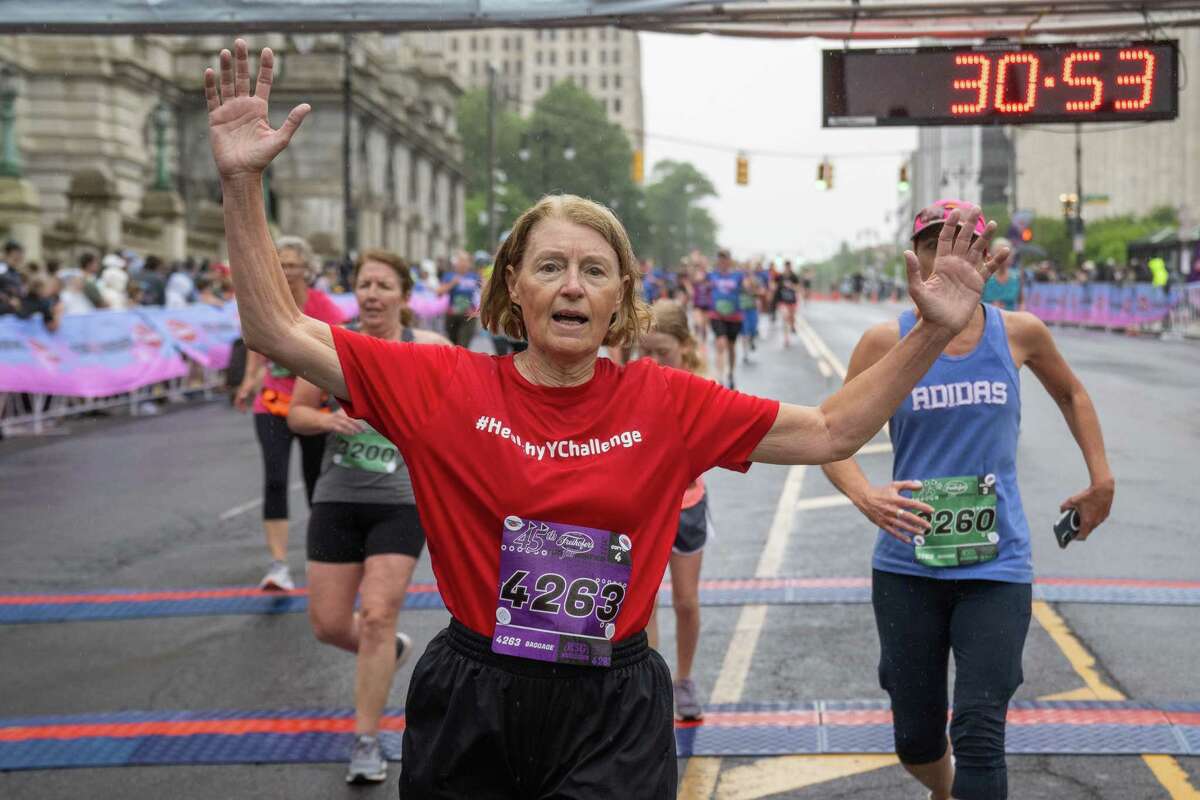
<point>949,297</point>
<point>1093,504</point>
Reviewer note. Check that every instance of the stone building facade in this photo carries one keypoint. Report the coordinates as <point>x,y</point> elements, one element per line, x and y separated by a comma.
<point>89,111</point>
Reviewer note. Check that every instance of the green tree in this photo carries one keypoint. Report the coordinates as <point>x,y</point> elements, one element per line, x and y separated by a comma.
<point>570,146</point>
<point>678,223</point>
<point>510,200</point>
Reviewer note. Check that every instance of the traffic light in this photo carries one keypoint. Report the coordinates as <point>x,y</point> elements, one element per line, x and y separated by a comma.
<point>825,175</point>
<point>1020,227</point>
<point>743,169</point>
<point>638,167</point>
<point>903,184</point>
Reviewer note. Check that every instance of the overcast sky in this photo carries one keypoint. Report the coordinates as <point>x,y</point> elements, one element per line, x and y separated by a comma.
<point>766,95</point>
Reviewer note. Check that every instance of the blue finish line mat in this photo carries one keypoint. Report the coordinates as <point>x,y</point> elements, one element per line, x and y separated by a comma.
<point>133,604</point>
<point>132,738</point>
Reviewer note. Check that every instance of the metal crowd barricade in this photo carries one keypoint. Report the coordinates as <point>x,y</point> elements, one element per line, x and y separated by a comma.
<point>37,414</point>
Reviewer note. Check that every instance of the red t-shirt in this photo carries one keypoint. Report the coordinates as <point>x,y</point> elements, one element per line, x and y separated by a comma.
<point>481,443</point>
<point>279,382</point>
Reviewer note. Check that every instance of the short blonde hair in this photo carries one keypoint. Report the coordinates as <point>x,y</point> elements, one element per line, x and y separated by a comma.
<point>671,318</point>
<point>500,315</point>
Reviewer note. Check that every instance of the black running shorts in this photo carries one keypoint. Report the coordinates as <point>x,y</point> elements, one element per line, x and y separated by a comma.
<point>725,328</point>
<point>349,533</point>
<point>692,534</point>
<point>486,726</point>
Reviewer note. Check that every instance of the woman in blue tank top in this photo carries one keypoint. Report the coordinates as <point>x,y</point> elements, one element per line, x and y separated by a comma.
<point>952,565</point>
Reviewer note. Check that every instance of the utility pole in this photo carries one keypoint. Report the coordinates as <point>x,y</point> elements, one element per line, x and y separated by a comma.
<point>491,158</point>
<point>1077,240</point>
<point>348,221</point>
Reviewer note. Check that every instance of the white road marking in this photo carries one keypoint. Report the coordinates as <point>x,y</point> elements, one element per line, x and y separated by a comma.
<point>826,501</point>
<point>252,504</point>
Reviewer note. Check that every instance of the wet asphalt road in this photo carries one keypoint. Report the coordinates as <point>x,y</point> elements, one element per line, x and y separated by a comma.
<point>149,503</point>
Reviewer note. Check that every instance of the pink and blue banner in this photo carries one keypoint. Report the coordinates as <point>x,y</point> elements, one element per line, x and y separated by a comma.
<point>90,355</point>
<point>1102,305</point>
<point>203,333</point>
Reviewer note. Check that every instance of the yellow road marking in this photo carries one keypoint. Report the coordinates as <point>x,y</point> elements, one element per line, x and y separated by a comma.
<point>779,774</point>
<point>1081,660</point>
<point>1172,777</point>
<point>1165,768</point>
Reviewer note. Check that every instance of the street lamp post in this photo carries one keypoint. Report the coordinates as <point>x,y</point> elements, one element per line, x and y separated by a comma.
<point>10,159</point>
<point>162,118</point>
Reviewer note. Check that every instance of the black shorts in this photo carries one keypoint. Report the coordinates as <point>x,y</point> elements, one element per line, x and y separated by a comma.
<point>730,329</point>
<point>483,725</point>
<point>693,529</point>
<point>349,533</point>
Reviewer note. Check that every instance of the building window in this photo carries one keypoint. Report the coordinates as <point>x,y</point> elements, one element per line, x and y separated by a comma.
<point>453,44</point>
<point>537,81</point>
<point>583,35</point>
<point>616,81</point>
<point>519,66</point>
<point>539,34</point>
<point>603,56</point>
<point>570,57</point>
<point>454,67</point>
<point>603,81</point>
<point>553,58</point>
<point>487,44</point>
<point>553,35</point>
<point>474,43</point>
<point>616,56</point>
<point>474,67</point>
<point>583,56</point>
<point>617,105</point>
<point>537,58</point>
<point>571,35</point>
<point>519,43</point>
<point>604,103</point>
<point>504,43</point>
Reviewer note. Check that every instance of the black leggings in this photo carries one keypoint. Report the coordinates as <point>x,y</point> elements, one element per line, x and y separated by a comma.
<point>275,439</point>
<point>920,621</point>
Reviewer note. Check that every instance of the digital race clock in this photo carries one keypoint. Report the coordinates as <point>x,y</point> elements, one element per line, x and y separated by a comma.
<point>1002,84</point>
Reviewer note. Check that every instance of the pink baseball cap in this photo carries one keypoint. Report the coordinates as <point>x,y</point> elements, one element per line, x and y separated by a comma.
<point>937,213</point>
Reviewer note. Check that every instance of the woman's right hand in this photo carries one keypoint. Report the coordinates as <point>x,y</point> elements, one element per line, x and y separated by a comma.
<point>338,422</point>
<point>893,512</point>
<point>239,130</point>
<point>241,399</point>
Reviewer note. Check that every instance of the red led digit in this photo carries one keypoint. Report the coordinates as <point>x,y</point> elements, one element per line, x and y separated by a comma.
<point>1071,79</point>
<point>978,83</point>
<point>1146,79</point>
<point>1031,84</point>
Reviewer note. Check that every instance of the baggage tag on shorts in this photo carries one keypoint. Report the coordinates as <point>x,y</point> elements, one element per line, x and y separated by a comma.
<point>561,588</point>
<point>368,451</point>
<point>963,523</point>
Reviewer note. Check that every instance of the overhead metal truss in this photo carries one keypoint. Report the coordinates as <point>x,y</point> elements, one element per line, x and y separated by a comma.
<point>830,19</point>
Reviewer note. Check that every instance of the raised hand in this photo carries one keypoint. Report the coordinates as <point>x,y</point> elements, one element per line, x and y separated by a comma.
<point>243,142</point>
<point>951,293</point>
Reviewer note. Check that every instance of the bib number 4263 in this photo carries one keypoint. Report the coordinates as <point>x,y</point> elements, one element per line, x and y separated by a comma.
<point>552,594</point>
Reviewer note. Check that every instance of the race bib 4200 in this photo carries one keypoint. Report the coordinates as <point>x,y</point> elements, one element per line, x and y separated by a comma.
<point>962,528</point>
<point>561,588</point>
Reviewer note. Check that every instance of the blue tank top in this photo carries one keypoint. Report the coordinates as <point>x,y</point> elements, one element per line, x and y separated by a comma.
<point>726,293</point>
<point>963,418</point>
<point>462,294</point>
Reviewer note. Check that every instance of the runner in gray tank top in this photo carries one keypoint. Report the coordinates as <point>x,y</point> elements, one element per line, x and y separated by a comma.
<point>364,534</point>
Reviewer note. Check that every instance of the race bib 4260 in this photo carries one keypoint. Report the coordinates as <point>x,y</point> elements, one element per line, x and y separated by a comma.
<point>963,523</point>
<point>561,588</point>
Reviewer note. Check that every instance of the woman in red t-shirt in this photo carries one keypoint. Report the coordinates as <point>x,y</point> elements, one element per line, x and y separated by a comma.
<point>549,482</point>
<point>271,385</point>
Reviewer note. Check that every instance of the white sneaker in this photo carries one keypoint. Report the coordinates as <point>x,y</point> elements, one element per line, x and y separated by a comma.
<point>278,578</point>
<point>367,764</point>
<point>404,648</point>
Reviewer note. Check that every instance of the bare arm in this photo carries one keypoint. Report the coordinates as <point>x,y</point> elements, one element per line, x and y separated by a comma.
<point>947,299</point>
<point>243,144</point>
<point>252,378</point>
<point>306,418</point>
<point>1035,346</point>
